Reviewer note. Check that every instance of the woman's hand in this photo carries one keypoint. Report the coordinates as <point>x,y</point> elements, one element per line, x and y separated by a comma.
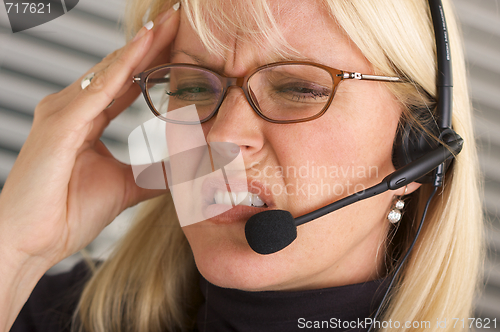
<point>65,186</point>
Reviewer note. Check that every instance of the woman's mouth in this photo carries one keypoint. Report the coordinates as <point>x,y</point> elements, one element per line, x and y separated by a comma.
<point>224,206</point>
<point>238,198</point>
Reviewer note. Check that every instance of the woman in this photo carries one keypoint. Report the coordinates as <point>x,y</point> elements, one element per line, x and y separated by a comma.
<point>65,186</point>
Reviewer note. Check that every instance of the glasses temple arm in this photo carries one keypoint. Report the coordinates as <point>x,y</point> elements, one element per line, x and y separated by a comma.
<point>359,76</point>
<point>152,80</point>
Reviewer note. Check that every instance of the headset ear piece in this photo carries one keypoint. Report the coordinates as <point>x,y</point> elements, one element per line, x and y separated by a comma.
<point>399,157</point>
<point>412,141</point>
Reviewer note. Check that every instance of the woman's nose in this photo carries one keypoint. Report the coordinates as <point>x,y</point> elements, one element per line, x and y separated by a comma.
<point>236,122</point>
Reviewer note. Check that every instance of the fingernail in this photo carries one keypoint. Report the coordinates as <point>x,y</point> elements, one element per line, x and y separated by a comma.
<point>165,16</point>
<point>148,26</point>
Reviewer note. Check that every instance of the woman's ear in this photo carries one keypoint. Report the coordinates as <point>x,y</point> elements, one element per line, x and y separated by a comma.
<point>406,190</point>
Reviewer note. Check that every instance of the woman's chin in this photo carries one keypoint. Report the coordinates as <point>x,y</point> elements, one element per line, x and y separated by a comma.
<point>238,266</point>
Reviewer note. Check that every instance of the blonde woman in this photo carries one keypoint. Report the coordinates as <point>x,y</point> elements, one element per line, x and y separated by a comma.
<point>65,187</point>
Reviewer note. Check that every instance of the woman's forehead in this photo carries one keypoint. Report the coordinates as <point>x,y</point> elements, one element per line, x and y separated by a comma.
<point>301,32</point>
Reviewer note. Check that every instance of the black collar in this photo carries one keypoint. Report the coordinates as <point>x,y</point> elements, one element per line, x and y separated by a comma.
<point>235,310</point>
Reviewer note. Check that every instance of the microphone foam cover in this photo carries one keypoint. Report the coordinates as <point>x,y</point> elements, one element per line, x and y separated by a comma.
<point>270,231</point>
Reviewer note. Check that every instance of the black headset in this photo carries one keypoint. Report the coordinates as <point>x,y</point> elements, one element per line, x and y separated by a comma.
<point>421,154</point>
<point>413,142</point>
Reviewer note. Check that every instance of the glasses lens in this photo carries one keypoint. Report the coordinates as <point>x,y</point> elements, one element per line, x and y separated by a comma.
<point>291,91</point>
<point>172,88</point>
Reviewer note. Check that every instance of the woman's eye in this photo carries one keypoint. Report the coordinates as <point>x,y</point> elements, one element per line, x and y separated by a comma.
<point>303,93</point>
<point>192,93</point>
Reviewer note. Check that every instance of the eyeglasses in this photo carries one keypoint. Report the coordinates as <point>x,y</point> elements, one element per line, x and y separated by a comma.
<point>281,92</point>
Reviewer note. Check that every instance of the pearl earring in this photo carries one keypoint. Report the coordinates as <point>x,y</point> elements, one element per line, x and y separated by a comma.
<point>395,214</point>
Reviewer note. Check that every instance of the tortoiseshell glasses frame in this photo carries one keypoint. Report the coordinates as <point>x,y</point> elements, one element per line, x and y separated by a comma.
<point>337,76</point>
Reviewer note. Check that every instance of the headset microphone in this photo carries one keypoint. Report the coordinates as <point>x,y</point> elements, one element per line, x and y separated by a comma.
<point>415,156</point>
<point>270,231</point>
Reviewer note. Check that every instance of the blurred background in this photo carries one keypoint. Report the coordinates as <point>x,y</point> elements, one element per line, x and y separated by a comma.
<point>45,59</point>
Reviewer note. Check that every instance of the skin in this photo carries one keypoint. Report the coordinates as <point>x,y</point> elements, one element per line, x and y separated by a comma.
<point>344,247</point>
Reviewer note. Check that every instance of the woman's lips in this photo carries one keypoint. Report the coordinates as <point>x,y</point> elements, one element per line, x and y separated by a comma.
<point>222,213</point>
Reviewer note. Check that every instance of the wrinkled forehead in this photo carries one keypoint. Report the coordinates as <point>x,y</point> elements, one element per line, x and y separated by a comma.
<point>268,31</point>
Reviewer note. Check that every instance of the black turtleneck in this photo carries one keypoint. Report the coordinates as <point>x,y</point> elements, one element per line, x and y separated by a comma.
<point>52,302</point>
<point>327,309</point>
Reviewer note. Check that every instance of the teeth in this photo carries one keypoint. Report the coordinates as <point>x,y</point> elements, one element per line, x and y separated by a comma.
<point>243,198</point>
<point>257,201</point>
<point>239,198</point>
<point>219,197</point>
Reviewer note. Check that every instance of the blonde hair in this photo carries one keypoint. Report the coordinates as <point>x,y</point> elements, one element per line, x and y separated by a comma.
<point>150,283</point>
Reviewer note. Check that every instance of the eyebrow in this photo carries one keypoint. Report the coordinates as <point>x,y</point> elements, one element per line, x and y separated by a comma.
<point>192,56</point>
<point>220,69</point>
<point>197,59</point>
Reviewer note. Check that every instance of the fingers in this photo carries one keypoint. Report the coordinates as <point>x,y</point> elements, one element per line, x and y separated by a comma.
<point>81,115</point>
<point>57,101</point>
<point>103,119</point>
<point>106,84</point>
<point>166,25</point>
<point>113,81</point>
<point>165,30</point>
